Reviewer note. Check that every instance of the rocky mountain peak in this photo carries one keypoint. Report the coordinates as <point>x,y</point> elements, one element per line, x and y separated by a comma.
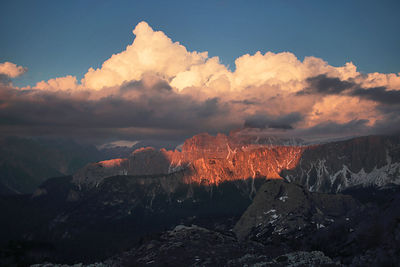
<point>204,158</point>
<point>205,142</point>
<point>207,159</point>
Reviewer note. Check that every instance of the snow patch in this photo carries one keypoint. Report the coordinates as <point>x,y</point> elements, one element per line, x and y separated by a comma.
<point>270,211</point>
<point>283,198</point>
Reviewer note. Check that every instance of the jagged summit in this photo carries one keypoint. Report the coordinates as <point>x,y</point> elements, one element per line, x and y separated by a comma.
<point>204,159</point>
<point>207,159</point>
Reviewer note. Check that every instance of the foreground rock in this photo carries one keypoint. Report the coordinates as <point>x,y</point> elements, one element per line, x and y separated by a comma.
<point>335,166</point>
<point>283,211</point>
<point>197,246</point>
<point>304,258</point>
<point>358,228</point>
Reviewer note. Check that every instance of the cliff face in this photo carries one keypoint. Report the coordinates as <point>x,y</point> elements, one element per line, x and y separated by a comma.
<point>332,167</point>
<point>280,209</point>
<point>359,227</point>
<point>204,159</point>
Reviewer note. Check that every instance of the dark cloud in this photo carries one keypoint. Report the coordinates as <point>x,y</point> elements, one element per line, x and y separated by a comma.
<point>322,132</point>
<point>209,108</point>
<point>158,85</point>
<point>326,85</point>
<point>133,111</point>
<point>354,127</point>
<point>378,94</point>
<point>267,121</point>
<point>247,102</point>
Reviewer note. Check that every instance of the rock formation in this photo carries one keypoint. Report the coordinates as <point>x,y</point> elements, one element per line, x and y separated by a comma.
<point>206,159</point>
<point>332,167</point>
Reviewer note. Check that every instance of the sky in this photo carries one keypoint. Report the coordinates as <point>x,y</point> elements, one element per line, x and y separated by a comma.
<point>307,68</point>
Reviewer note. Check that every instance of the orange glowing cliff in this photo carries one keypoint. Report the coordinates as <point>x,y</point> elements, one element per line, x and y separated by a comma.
<point>204,159</point>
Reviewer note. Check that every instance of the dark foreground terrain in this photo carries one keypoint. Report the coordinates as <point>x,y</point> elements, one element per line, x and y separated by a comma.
<point>121,224</point>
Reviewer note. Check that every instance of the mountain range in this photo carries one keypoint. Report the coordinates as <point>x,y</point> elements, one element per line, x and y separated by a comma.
<point>206,159</point>
<point>259,201</point>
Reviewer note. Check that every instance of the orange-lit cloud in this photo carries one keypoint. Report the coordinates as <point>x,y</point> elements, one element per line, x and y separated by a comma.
<point>157,86</point>
<point>62,83</point>
<point>11,70</point>
<point>151,51</point>
<point>8,71</point>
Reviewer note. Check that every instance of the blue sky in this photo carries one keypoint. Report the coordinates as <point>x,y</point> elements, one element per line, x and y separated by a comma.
<point>57,38</point>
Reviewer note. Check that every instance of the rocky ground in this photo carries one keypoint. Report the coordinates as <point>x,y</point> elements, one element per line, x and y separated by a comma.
<point>197,246</point>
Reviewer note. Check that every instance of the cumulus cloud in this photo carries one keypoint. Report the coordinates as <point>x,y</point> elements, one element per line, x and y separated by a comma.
<point>10,70</point>
<point>151,51</point>
<point>61,83</point>
<point>157,88</point>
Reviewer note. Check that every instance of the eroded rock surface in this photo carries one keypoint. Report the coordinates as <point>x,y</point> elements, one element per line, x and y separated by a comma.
<point>358,228</point>
<point>205,159</point>
<point>283,211</point>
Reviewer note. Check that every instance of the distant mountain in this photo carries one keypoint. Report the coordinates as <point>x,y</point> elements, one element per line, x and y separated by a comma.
<point>26,163</point>
<point>122,148</point>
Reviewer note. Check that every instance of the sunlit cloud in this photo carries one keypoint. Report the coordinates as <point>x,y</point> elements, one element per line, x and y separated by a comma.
<point>62,83</point>
<point>157,88</point>
<point>10,70</point>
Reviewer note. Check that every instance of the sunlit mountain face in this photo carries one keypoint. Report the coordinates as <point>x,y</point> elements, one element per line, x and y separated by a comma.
<point>161,153</point>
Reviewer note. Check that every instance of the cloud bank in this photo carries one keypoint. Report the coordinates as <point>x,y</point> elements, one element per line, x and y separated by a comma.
<point>155,88</point>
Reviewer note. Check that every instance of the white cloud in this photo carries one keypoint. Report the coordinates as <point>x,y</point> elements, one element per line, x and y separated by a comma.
<point>61,83</point>
<point>151,51</point>
<point>11,70</point>
<point>261,83</point>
